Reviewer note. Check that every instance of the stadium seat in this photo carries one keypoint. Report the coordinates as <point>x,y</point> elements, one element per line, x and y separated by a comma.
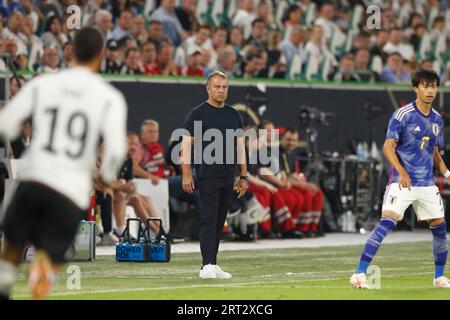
<point>180,56</point>
<point>312,68</point>
<point>376,64</point>
<point>231,9</point>
<point>434,12</point>
<point>203,12</point>
<point>149,7</point>
<point>217,12</point>
<point>310,14</point>
<point>338,42</point>
<point>281,8</point>
<point>287,33</point>
<point>357,15</point>
<point>295,68</point>
<point>425,46</point>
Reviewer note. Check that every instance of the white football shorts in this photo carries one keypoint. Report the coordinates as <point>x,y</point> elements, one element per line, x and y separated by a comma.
<point>426,201</point>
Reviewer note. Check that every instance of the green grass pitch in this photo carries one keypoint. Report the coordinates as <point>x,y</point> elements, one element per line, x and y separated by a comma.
<point>312,273</point>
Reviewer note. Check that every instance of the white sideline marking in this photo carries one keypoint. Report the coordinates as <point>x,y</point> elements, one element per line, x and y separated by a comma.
<point>244,285</point>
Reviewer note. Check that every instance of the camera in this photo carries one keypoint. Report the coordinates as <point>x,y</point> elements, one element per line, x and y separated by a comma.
<point>310,115</point>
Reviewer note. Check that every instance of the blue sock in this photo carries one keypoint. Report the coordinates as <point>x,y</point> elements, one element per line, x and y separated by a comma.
<point>440,249</point>
<point>373,243</point>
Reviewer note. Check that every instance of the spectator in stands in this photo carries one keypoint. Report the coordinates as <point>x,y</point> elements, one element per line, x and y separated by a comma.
<point>132,62</point>
<point>166,66</point>
<point>50,61</point>
<point>53,35</point>
<point>226,62</point>
<point>155,33</point>
<point>426,64</point>
<point>23,142</point>
<point>124,25</point>
<point>253,63</point>
<point>293,16</point>
<point>416,39</point>
<point>394,71</point>
<point>19,60</point>
<point>219,42</point>
<point>439,28</point>
<point>264,12</point>
<point>149,54</point>
<point>315,47</point>
<point>138,30</point>
<point>395,44</point>
<point>103,22</point>
<point>187,15</point>
<point>362,59</point>
<point>33,42</point>
<point>346,71</point>
<point>68,55</point>
<point>14,26</point>
<point>111,62</point>
<point>294,46</point>
<point>362,41</point>
<point>244,16</point>
<point>415,19</point>
<point>325,19</point>
<point>193,64</point>
<point>381,38</point>
<point>446,78</point>
<point>171,25</point>
<point>236,39</point>
<point>14,86</point>
<point>200,40</point>
<point>388,19</point>
<point>258,35</point>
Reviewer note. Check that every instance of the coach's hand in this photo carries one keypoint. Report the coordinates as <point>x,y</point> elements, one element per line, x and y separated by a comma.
<point>405,180</point>
<point>242,187</point>
<point>188,184</point>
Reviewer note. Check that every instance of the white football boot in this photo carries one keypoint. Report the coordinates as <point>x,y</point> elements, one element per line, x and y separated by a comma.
<point>359,280</point>
<point>441,282</point>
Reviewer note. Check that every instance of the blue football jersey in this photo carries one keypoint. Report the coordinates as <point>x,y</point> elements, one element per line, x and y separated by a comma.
<point>417,135</point>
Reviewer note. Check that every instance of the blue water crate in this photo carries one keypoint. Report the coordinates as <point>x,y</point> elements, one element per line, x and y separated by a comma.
<point>129,249</point>
<point>159,247</point>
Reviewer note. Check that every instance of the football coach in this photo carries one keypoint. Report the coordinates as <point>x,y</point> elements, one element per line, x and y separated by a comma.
<point>215,165</point>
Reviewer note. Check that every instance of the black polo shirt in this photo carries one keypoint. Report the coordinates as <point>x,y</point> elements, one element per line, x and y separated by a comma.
<point>221,119</point>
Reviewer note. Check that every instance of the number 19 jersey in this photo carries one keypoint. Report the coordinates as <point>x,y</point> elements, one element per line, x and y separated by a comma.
<point>70,111</point>
<point>417,135</point>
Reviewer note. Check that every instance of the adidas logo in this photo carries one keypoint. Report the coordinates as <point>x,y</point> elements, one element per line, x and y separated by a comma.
<point>417,129</point>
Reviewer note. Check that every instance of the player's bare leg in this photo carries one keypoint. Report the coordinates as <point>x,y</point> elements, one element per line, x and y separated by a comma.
<point>438,228</point>
<point>10,259</point>
<point>119,209</point>
<point>387,223</point>
<point>41,275</point>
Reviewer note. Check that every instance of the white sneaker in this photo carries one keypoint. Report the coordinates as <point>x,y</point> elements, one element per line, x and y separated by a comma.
<point>222,274</point>
<point>441,282</point>
<point>358,280</point>
<point>108,240</point>
<point>208,272</point>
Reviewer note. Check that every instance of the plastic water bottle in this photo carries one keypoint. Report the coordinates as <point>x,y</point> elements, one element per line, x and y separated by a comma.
<point>163,240</point>
<point>122,240</point>
<point>360,151</point>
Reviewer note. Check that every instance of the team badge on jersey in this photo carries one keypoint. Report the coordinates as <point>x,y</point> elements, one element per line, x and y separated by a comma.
<point>435,128</point>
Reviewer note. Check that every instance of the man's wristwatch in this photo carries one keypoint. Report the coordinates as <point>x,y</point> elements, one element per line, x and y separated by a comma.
<point>243,177</point>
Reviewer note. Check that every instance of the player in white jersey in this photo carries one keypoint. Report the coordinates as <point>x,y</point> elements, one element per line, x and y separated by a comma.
<point>71,111</point>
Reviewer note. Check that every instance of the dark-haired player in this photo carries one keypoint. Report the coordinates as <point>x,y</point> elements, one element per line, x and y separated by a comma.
<point>411,146</point>
<point>71,110</point>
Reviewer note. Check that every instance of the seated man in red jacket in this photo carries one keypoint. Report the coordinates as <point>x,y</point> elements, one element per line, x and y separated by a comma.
<point>311,209</point>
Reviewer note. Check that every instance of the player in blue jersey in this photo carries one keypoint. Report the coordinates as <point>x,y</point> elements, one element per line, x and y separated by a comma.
<point>412,143</point>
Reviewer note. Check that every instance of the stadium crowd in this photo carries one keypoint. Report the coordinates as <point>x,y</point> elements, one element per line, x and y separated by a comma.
<point>304,39</point>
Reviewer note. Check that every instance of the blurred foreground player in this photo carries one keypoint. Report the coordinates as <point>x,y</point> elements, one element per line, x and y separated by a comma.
<point>413,138</point>
<point>71,110</point>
